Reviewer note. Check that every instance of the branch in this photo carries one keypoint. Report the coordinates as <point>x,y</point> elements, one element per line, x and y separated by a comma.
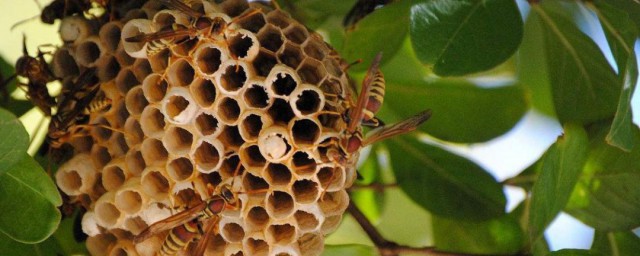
<point>390,248</point>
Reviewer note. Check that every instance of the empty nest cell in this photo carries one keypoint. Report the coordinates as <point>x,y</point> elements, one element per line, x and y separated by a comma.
<point>153,151</point>
<point>63,64</point>
<point>264,62</point>
<point>307,101</point>
<point>257,246</point>
<point>251,156</point>
<point>134,131</point>
<point>281,112</point>
<point>278,18</point>
<point>141,69</point>
<point>88,52</point>
<point>233,77</point>
<point>253,184</point>
<point>135,162</point>
<point>305,132</point>
<point>305,191</point>
<point>135,224</point>
<point>129,201</point>
<point>152,122</point>
<point>135,101</point>
<point>278,175</point>
<point>280,205</point>
<point>178,140</point>
<point>257,218</point>
<point>281,81</point>
<point>251,124</point>
<point>281,234</point>
<point>256,96</point>
<point>229,167</point>
<point>118,145</point>
<point>113,176</point>
<point>252,23</point>
<point>270,38</point>
<point>296,33</point>
<point>304,165</point>
<point>180,73</point>
<point>208,156</point>
<point>155,182</point>
<point>314,49</point>
<point>306,221</point>
<point>311,71</point>
<point>126,80</point>
<point>100,155</point>
<point>291,55</point>
<point>228,110</point>
<point>231,138</point>
<point>334,203</point>
<point>204,92</point>
<point>208,58</point>
<point>110,35</point>
<point>232,232</point>
<point>207,124</point>
<point>154,88</point>
<point>180,169</point>
<point>107,214</point>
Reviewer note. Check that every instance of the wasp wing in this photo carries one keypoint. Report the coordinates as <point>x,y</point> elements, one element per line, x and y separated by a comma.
<point>170,222</point>
<point>180,6</point>
<point>162,34</point>
<point>355,116</point>
<point>401,127</point>
<point>210,229</point>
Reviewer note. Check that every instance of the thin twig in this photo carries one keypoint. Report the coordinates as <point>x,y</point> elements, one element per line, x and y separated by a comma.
<point>390,248</point>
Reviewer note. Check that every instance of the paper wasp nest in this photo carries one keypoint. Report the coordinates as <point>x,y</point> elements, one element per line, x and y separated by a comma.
<point>265,95</point>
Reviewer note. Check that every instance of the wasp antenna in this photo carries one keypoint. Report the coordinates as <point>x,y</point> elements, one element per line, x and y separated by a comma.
<point>22,22</point>
<point>24,44</point>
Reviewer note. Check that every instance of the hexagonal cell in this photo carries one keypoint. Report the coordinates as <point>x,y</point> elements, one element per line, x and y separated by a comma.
<point>296,33</point>
<point>129,201</point>
<point>278,175</point>
<point>134,131</point>
<point>152,122</point>
<point>100,155</point>
<point>209,57</point>
<point>63,64</point>
<point>118,145</point>
<point>113,176</point>
<point>229,110</point>
<point>179,107</point>
<point>216,245</point>
<point>153,152</point>
<point>123,58</point>
<point>256,96</point>
<point>184,48</point>
<point>311,71</point>
<point>141,69</point>
<point>135,101</point>
<point>251,156</point>
<point>185,197</point>
<point>231,138</point>
<point>110,35</point>
<point>307,101</point>
<point>125,81</point>
<point>331,223</point>
<point>291,55</point>
<point>252,23</point>
<point>135,162</point>
<point>160,60</point>
<point>305,191</point>
<point>120,116</point>
<point>281,234</point>
<point>334,203</point>
<point>280,205</point>
<point>257,247</point>
<point>229,167</point>
<point>264,62</point>
<point>305,132</point>
<point>283,84</point>
<point>207,124</point>
<point>109,70</point>
<point>180,169</point>
<point>154,182</point>
<point>232,232</point>
<point>180,73</point>
<point>154,87</point>
<point>333,67</point>
<point>88,52</point>
<point>303,164</point>
<point>177,140</point>
<point>233,8</point>
<point>311,244</point>
<point>240,44</point>
<point>278,18</point>
<point>314,49</point>
<point>251,124</point>
<point>257,218</point>
<point>254,183</point>
<point>106,212</point>
<point>280,112</point>
<point>136,225</point>
<point>100,243</point>
<point>100,132</point>
<point>270,38</point>
<point>233,78</point>
<point>208,156</point>
<point>204,92</point>
<point>306,221</point>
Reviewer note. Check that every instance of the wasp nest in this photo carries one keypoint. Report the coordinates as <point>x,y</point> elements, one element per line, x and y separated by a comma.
<point>264,96</point>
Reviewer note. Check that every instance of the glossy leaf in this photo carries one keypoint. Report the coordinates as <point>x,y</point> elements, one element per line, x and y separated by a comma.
<point>607,196</point>
<point>29,192</point>
<point>462,111</point>
<point>313,13</point>
<point>349,249</point>
<point>584,86</point>
<point>14,140</point>
<point>630,6</point>
<point>559,171</point>
<point>443,183</point>
<point>9,246</point>
<point>621,34</point>
<point>573,252</point>
<point>382,31</point>
<point>502,236</point>
<point>462,37</point>
<point>617,243</point>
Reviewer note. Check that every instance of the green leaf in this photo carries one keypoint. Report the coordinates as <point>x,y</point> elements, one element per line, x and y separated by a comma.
<point>460,37</point>
<point>14,140</point>
<point>616,243</point>
<point>559,171</point>
<point>9,246</point>
<point>443,183</point>
<point>621,34</point>
<point>313,13</point>
<point>584,86</point>
<point>630,6</point>
<point>382,31</point>
<point>607,196</point>
<point>30,198</point>
<point>573,252</point>
<point>501,236</point>
<point>349,249</point>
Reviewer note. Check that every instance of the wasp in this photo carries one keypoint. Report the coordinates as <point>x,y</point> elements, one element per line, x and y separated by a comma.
<point>37,71</point>
<point>200,25</point>
<point>77,104</point>
<point>187,226</point>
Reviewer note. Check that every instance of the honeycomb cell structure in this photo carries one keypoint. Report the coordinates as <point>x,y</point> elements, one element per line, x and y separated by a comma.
<point>254,105</point>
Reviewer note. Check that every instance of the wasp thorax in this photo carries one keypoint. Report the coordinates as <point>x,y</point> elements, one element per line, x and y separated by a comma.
<point>227,107</point>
